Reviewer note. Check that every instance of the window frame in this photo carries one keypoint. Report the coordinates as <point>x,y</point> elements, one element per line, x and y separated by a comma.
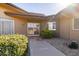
<point>33,27</point>
<point>73,20</point>
<point>52,25</point>
<point>6,19</point>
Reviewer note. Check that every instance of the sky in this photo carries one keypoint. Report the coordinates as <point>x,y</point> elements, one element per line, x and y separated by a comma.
<point>43,8</point>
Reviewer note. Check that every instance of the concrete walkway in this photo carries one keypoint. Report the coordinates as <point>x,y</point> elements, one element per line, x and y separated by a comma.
<point>43,48</point>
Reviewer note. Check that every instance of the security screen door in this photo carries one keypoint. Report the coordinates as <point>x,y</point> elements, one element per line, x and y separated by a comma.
<point>6,26</point>
<point>33,29</point>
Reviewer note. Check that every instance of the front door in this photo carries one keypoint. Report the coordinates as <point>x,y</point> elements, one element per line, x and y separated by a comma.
<point>33,29</point>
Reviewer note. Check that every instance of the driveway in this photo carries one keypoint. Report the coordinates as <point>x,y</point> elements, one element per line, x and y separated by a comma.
<point>43,48</point>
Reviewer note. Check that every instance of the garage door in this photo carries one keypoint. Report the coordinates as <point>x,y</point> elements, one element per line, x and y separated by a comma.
<point>6,26</point>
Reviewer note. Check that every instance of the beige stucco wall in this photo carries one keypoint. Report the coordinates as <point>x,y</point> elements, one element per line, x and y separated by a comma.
<point>18,28</point>
<point>20,23</point>
<point>74,34</point>
<point>22,27</point>
<point>64,25</point>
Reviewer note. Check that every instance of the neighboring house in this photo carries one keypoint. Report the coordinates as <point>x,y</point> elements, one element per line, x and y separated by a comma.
<point>16,20</point>
<point>68,22</point>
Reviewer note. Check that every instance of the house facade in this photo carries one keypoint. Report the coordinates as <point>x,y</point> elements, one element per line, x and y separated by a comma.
<point>16,20</point>
<point>68,22</point>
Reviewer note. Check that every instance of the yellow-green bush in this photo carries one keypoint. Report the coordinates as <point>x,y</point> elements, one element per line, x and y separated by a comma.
<point>14,45</point>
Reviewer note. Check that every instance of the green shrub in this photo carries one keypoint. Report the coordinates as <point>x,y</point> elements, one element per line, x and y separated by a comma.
<point>13,45</point>
<point>47,34</point>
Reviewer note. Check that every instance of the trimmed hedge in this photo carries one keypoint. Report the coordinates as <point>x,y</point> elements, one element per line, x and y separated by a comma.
<point>13,45</point>
<point>47,34</point>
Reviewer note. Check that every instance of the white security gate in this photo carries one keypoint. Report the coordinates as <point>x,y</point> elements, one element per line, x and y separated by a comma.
<point>33,29</point>
<point>6,26</point>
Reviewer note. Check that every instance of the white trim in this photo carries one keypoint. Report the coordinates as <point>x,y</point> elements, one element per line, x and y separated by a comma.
<point>52,24</point>
<point>13,27</point>
<point>12,22</point>
<point>1,27</point>
<point>73,24</point>
<point>2,19</point>
<point>33,35</point>
<point>53,29</point>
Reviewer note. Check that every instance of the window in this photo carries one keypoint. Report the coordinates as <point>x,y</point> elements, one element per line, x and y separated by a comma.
<point>75,24</point>
<point>6,26</point>
<point>52,25</point>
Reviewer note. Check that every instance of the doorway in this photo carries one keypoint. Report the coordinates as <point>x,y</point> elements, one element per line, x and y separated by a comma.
<point>33,29</point>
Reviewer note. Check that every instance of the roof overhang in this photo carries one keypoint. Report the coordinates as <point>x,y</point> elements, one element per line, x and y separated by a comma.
<point>24,15</point>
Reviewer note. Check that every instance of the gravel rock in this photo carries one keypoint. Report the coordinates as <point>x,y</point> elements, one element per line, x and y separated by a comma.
<point>62,45</point>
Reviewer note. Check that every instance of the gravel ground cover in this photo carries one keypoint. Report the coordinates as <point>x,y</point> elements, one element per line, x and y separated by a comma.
<point>62,45</point>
